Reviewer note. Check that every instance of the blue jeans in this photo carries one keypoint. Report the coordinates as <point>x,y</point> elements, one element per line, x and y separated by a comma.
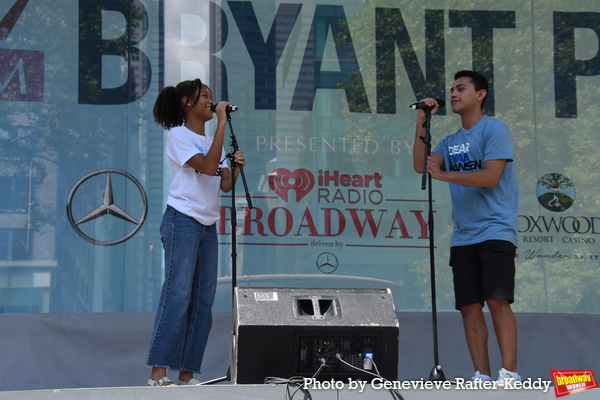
<point>183,319</point>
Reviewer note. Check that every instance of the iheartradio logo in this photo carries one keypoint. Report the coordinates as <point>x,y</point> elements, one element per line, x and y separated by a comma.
<point>283,180</point>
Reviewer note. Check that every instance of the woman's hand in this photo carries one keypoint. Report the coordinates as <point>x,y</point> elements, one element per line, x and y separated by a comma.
<point>238,158</point>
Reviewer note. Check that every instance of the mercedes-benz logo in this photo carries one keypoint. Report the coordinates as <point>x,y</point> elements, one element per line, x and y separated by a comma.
<point>327,263</point>
<point>107,206</point>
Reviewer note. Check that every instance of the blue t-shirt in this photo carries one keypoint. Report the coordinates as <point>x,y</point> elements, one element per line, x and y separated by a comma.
<point>481,214</point>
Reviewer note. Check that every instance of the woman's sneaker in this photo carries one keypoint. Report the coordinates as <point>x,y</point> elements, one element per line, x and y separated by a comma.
<point>481,377</point>
<point>164,381</point>
<point>505,376</point>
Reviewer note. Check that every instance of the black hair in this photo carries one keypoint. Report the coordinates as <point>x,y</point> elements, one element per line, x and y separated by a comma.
<point>168,109</point>
<point>479,81</point>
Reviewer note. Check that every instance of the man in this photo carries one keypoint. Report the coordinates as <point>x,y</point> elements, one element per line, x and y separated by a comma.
<point>477,162</point>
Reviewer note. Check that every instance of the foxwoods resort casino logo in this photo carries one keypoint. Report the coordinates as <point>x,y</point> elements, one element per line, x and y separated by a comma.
<point>555,192</point>
<point>568,382</point>
<point>556,235</point>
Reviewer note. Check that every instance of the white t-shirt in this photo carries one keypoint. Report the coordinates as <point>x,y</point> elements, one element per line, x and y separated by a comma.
<point>192,193</point>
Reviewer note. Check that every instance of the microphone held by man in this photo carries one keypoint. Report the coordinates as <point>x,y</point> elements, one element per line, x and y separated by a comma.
<point>423,106</point>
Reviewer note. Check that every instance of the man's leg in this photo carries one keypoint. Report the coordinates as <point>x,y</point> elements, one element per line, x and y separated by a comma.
<point>505,327</point>
<point>476,333</point>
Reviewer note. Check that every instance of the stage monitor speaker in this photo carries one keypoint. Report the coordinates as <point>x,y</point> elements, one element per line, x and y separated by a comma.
<point>288,332</point>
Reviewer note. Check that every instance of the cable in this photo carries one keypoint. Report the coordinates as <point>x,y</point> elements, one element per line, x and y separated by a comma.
<point>299,380</point>
<point>394,392</point>
<point>295,380</point>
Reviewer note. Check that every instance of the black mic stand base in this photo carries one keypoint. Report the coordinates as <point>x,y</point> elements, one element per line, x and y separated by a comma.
<point>437,374</point>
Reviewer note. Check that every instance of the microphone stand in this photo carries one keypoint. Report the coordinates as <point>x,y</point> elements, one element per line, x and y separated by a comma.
<point>436,373</point>
<point>234,165</point>
<point>235,147</point>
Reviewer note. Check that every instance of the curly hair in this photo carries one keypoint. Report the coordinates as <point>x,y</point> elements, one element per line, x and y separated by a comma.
<point>168,108</point>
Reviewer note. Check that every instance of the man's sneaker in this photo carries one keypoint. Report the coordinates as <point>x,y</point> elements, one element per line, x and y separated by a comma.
<point>505,376</point>
<point>481,377</point>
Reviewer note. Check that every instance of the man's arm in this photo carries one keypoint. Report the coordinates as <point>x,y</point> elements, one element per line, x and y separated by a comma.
<point>487,177</point>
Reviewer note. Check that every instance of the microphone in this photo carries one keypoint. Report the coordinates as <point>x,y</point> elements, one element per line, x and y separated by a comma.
<point>229,109</point>
<point>422,106</point>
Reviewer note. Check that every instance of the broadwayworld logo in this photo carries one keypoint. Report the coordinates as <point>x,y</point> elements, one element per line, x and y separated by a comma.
<point>567,382</point>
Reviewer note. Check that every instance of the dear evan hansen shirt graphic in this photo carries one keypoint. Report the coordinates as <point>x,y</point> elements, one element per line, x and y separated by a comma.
<point>481,214</point>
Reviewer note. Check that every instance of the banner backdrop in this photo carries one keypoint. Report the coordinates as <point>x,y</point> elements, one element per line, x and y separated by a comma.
<point>323,90</point>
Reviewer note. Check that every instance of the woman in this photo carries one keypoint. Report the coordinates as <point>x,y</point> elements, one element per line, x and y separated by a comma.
<point>188,229</point>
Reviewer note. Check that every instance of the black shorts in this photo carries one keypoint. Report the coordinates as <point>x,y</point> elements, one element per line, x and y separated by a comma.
<point>483,271</point>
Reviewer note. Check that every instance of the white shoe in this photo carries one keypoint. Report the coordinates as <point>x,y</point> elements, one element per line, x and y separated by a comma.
<point>191,382</point>
<point>481,377</point>
<point>164,381</point>
<point>507,376</point>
